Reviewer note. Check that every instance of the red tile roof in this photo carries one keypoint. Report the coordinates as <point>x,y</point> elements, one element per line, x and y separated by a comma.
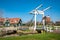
<point>12,20</point>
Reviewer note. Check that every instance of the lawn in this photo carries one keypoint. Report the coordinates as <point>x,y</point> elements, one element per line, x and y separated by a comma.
<point>42,36</point>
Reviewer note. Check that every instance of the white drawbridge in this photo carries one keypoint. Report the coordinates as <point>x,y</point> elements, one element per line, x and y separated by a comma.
<point>36,12</point>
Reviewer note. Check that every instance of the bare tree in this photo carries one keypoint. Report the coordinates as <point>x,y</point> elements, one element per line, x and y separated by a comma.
<point>1,13</point>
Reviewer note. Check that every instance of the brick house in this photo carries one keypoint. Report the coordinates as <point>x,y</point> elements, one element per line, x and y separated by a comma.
<point>47,20</point>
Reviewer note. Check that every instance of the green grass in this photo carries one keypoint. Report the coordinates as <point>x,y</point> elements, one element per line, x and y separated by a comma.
<point>43,36</point>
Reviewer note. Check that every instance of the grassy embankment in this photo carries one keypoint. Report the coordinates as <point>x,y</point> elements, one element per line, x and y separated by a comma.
<point>42,36</point>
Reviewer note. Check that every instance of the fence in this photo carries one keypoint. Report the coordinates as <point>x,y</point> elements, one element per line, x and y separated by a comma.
<point>51,29</point>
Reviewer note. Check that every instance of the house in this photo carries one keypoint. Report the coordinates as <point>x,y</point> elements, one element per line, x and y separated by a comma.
<point>9,21</point>
<point>14,21</point>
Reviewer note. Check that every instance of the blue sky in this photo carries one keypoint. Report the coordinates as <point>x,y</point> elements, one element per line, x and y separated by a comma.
<point>21,9</point>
